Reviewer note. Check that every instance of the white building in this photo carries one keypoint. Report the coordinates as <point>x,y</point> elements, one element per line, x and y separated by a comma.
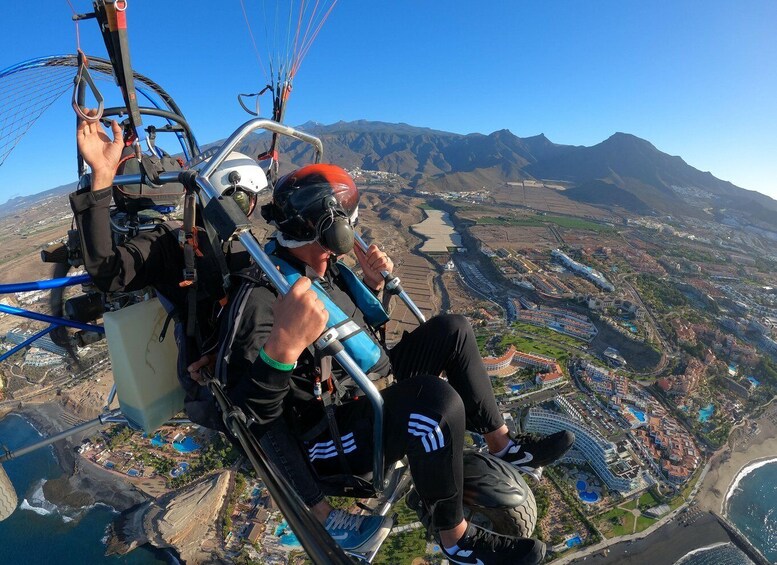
<point>584,270</point>
<point>618,471</point>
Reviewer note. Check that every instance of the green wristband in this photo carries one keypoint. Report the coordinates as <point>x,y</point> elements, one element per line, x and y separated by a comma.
<point>276,364</point>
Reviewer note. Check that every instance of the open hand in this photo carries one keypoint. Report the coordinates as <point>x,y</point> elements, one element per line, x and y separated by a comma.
<point>99,151</point>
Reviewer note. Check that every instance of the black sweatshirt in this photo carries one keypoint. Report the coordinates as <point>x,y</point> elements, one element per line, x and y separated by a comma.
<point>262,390</point>
<point>151,258</point>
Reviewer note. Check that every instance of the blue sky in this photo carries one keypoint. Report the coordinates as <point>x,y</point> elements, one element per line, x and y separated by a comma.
<point>696,78</point>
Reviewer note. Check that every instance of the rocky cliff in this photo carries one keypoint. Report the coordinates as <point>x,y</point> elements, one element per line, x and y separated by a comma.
<point>186,521</point>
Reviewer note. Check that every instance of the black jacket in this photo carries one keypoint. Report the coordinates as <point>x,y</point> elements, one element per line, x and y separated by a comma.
<point>265,392</point>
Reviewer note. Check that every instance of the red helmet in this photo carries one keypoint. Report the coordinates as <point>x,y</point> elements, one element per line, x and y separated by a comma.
<point>312,200</point>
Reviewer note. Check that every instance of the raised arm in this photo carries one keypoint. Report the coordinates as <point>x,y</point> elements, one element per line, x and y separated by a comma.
<point>131,266</point>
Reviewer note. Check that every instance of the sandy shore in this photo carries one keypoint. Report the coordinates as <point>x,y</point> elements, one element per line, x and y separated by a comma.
<point>744,448</point>
<point>82,484</point>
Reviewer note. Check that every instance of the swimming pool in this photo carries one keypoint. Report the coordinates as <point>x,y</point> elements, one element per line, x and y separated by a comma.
<point>286,536</point>
<point>182,467</point>
<point>587,496</point>
<point>186,446</point>
<point>572,542</point>
<point>516,388</point>
<point>638,414</point>
<point>157,441</point>
<point>706,412</point>
<point>755,382</point>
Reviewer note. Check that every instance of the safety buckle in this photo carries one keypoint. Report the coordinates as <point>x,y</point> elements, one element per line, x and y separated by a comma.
<point>189,278</point>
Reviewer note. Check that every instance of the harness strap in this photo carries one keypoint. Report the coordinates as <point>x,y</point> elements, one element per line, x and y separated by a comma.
<point>189,244</point>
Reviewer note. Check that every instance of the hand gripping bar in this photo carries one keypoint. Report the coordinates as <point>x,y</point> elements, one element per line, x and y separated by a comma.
<point>393,284</point>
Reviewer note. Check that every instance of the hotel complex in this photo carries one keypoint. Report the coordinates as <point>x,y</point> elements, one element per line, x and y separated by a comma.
<point>583,270</point>
<point>563,321</point>
<point>615,467</point>
<point>512,360</point>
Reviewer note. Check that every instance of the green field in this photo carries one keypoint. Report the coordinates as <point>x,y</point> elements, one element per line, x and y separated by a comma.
<point>621,521</point>
<point>530,345</point>
<point>647,500</point>
<point>643,522</point>
<point>630,505</point>
<point>538,221</point>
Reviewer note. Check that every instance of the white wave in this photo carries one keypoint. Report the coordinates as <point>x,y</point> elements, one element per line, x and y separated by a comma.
<point>37,503</point>
<point>37,509</point>
<point>96,504</point>
<point>746,470</point>
<point>29,422</point>
<point>691,553</point>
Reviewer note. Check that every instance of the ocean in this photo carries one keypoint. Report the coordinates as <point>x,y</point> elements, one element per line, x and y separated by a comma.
<point>40,533</point>
<point>752,506</point>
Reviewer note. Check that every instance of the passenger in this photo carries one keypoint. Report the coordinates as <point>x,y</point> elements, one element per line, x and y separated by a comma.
<point>273,369</point>
<point>155,258</point>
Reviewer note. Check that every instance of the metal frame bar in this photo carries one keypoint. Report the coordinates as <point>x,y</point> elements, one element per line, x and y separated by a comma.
<point>393,284</point>
<point>50,319</point>
<point>44,284</point>
<point>27,342</point>
<point>101,420</point>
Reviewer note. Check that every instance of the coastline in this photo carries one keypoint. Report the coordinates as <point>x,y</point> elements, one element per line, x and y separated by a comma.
<point>667,541</point>
<point>743,451</point>
<point>81,486</point>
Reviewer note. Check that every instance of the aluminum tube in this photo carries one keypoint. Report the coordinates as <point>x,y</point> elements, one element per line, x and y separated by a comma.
<point>376,400</point>
<point>164,178</point>
<point>50,319</point>
<point>26,342</point>
<point>251,125</point>
<point>44,285</point>
<point>86,426</point>
<point>404,296</point>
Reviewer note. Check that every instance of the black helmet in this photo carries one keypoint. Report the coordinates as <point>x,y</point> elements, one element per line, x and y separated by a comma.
<point>316,203</point>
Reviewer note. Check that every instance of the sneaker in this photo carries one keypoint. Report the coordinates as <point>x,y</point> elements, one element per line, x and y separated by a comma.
<point>482,547</point>
<point>356,532</point>
<point>531,451</point>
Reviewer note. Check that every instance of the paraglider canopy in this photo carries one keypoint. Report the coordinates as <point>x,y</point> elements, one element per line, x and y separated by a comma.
<point>290,28</point>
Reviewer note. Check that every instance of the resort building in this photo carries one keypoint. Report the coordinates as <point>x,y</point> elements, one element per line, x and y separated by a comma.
<point>616,468</point>
<point>583,270</point>
<point>512,359</point>
<point>501,366</point>
<point>562,321</point>
<point>605,382</point>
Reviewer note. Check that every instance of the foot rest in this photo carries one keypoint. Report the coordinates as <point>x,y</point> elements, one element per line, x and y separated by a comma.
<point>368,551</point>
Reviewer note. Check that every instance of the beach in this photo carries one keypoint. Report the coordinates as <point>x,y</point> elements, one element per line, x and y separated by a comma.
<point>82,484</point>
<point>744,448</point>
<point>670,538</point>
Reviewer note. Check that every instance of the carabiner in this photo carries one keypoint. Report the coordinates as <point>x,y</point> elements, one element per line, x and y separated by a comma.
<point>84,75</point>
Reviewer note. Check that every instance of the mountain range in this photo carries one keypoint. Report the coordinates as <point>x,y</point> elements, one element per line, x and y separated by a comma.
<point>623,170</point>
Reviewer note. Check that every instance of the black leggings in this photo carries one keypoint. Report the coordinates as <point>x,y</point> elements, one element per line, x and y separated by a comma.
<point>424,416</point>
